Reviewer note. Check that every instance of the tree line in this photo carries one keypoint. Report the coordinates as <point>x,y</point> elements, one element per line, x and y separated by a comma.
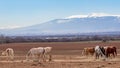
<point>65,38</point>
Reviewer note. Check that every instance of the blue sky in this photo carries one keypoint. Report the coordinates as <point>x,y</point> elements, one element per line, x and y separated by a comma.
<point>29,12</point>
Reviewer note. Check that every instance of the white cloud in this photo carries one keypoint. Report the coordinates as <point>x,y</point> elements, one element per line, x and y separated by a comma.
<point>10,27</point>
<point>92,15</point>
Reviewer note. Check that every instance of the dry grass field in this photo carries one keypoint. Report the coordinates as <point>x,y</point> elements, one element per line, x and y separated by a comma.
<point>64,55</point>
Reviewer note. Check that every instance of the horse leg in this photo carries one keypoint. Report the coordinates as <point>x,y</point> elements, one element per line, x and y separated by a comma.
<point>113,54</point>
<point>11,57</point>
<point>33,57</point>
<point>83,53</point>
<point>92,55</point>
<point>109,55</point>
<point>27,57</point>
<point>50,57</point>
<point>87,54</point>
<point>43,57</point>
<point>96,56</point>
<point>7,57</point>
<point>38,58</point>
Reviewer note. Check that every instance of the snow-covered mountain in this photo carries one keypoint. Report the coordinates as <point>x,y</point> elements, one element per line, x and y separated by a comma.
<point>69,25</point>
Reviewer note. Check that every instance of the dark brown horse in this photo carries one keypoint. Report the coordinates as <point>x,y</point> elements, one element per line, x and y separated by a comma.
<point>110,51</point>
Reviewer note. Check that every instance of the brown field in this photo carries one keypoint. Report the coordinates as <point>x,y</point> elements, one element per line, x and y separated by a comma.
<point>64,55</point>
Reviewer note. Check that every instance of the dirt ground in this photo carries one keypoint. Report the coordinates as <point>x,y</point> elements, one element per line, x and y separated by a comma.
<point>64,55</point>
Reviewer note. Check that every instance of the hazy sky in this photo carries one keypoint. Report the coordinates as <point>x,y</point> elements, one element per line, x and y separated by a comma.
<point>17,13</point>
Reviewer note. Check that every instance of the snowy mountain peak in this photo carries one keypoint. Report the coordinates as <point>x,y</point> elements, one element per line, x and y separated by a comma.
<point>92,15</point>
<point>98,15</point>
<point>77,16</point>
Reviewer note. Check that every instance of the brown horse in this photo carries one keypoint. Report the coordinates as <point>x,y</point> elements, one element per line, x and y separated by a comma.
<point>110,51</point>
<point>88,51</point>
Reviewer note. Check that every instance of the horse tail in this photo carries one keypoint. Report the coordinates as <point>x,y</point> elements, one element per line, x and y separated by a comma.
<point>115,51</point>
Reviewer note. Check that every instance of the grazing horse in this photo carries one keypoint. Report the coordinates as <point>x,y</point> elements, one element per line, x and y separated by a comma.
<point>47,51</point>
<point>36,53</point>
<point>9,52</point>
<point>110,50</point>
<point>88,51</point>
<point>99,51</point>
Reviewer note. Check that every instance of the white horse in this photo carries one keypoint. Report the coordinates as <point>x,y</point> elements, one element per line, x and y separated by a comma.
<point>39,52</point>
<point>47,51</point>
<point>36,53</point>
<point>9,52</point>
<point>100,51</point>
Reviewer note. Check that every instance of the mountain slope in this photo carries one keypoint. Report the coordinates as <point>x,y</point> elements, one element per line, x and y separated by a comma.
<point>70,25</point>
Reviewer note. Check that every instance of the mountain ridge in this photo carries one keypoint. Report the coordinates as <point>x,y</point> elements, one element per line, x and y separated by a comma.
<point>69,25</point>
